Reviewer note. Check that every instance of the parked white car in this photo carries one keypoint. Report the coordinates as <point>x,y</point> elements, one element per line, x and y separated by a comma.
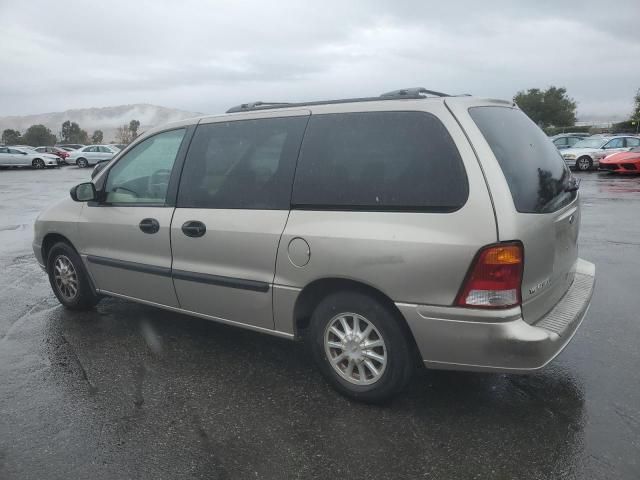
<point>587,153</point>
<point>91,154</point>
<point>22,157</point>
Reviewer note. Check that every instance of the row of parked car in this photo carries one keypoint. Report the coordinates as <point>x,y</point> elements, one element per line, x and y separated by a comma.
<point>615,153</point>
<point>54,156</point>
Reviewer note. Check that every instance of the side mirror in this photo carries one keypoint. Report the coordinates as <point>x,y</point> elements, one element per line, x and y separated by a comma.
<point>24,153</point>
<point>84,192</point>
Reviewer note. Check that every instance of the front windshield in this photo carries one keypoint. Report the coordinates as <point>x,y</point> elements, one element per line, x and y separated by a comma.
<point>590,143</point>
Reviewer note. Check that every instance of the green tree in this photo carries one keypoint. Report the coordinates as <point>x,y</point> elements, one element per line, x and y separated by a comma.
<point>133,128</point>
<point>636,110</point>
<point>123,134</point>
<point>635,116</point>
<point>11,137</point>
<point>37,135</point>
<point>72,133</point>
<point>548,107</point>
<point>97,136</point>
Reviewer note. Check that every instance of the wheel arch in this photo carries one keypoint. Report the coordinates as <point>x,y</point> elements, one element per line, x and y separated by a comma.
<point>313,293</point>
<point>49,240</point>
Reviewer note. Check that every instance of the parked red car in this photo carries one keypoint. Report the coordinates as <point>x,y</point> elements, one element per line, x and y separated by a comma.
<point>59,152</point>
<point>622,162</point>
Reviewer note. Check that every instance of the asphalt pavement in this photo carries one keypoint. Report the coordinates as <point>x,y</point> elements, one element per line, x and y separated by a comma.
<point>128,391</point>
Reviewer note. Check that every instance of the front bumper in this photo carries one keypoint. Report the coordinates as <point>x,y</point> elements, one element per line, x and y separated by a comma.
<point>448,339</point>
<point>37,252</point>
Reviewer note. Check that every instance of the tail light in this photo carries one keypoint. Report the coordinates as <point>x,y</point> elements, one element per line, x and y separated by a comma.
<point>495,278</point>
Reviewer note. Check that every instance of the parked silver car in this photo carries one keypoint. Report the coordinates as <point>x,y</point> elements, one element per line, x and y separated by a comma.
<point>382,230</point>
<point>91,154</point>
<point>567,140</point>
<point>26,157</point>
<point>587,153</point>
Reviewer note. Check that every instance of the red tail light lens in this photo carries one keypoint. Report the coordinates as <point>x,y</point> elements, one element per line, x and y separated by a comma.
<point>495,278</point>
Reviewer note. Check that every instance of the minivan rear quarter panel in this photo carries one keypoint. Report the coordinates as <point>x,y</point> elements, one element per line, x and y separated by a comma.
<point>410,256</point>
<point>549,239</point>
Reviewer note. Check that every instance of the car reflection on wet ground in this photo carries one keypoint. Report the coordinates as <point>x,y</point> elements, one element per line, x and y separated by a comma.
<point>128,391</point>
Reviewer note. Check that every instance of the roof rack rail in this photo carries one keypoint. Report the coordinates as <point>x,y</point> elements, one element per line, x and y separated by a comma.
<point>413,93</point>
<point>243,107</point>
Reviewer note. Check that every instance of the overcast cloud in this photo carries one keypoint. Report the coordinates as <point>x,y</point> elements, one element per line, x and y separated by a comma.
<point>206,56</point>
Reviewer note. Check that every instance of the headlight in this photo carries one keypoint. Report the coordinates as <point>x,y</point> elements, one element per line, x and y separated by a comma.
<point>569,156</point>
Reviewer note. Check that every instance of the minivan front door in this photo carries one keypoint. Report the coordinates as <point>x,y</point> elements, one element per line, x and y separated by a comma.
<point>125,237</point>
<point>232,207</point>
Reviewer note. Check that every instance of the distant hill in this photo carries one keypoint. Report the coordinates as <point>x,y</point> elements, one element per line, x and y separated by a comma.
<point>107,119</point>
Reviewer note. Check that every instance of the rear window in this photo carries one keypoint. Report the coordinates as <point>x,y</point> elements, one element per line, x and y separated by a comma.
<point>535,171</point>
<point>379,161</point>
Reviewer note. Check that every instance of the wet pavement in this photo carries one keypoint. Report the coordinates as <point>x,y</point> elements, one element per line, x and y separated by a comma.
<point>128,391</point>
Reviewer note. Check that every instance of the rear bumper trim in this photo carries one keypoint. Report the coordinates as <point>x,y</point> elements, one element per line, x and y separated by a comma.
<point>508,345</point>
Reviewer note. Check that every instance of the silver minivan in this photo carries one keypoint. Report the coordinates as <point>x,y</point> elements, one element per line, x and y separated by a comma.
<point>385,231</point>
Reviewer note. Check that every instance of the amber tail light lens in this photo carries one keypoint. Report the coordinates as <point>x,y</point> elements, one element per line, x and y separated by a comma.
<point>495,278</point>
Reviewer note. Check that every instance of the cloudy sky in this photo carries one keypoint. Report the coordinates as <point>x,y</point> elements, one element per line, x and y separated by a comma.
<point>205,56</point>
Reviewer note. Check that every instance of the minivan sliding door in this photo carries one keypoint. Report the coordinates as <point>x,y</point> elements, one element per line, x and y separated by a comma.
<point>232,206</point>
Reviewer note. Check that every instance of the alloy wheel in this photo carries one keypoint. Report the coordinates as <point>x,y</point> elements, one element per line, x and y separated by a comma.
<point>355,349</point>
<point>65,277</point>
<point>583,163</point>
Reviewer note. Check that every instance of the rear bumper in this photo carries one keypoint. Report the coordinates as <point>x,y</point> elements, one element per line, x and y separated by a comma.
<point>466,339</point>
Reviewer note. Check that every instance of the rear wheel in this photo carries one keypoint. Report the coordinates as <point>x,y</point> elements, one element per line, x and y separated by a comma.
<point>584,163</point>
<point>82,163</point>
<point>360,346</point>
<point>37,163</point>
<point>68,278</point>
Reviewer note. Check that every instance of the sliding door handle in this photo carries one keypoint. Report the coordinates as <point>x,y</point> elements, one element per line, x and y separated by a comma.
<point>194,228</point>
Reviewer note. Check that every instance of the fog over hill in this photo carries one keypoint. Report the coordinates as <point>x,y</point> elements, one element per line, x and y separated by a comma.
<point>107,119</point>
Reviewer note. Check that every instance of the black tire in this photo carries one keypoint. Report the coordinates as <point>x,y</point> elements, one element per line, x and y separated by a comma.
<point>397,344</point>
<point>584,163</point>
<point>38,163</point>
<point>82,163</point>
<point>85,297</point>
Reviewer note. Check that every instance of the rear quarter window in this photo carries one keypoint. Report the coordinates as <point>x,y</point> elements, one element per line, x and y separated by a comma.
<point>534,169</point>
<point>379,161</point>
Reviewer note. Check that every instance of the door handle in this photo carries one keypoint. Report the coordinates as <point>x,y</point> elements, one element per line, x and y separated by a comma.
<point>149,225</point>
<point>194,228</point>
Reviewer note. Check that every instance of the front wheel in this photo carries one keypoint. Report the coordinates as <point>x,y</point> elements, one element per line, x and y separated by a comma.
<point>37,163</point>
<point>584,163</point>
<point>360,346</point>
<point>68,278</point>
<point>82,163</point>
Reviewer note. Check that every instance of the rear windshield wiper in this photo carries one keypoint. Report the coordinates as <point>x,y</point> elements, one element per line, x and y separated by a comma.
<point>572,185</point>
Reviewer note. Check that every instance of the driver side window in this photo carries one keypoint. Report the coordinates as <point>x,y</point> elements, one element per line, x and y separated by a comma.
<point>142,175</point>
